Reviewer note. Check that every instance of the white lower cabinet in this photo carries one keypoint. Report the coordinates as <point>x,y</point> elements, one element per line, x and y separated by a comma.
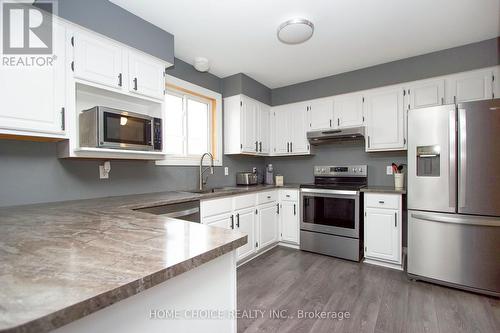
<point>289,219</point>
<point>221,221</point>
<point>245,223</point>
<point>382,229</point>
<point>266,217</point>
<point>268,224</point>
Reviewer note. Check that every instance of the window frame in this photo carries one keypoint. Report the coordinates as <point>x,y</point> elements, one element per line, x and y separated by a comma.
<point>180,87</point>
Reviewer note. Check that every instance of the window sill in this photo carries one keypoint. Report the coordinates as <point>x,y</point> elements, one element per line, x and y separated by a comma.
<point>185,161</point>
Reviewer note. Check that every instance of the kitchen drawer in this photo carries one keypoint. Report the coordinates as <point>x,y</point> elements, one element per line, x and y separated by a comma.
<point>266,197</point>
<point>244,201</point>
<point>216,206</point>
<point>379,200</point>
<point>292,195</point>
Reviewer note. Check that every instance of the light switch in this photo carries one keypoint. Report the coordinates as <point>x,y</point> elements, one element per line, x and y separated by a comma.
<point>226,171</point>
<point>389,170</point>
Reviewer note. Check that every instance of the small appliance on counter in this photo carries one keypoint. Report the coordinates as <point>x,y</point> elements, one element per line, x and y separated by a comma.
<point>269,180</point>
<point>246,178</point>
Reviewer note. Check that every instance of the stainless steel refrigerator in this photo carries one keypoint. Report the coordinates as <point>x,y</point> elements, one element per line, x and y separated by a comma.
<point>454,195</point>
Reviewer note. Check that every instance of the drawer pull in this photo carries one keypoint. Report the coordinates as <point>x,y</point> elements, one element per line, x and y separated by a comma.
<point>269,197</point>
<point>288,195</point>
<point>381,202</point>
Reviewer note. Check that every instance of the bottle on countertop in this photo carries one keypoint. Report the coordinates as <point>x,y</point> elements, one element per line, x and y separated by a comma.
<point>269,174</point>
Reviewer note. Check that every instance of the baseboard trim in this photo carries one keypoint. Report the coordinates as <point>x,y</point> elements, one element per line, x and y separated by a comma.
<point>382,263</point>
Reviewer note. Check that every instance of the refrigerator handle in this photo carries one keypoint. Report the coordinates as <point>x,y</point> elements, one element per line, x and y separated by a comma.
<point>463,159</point>
<point>452,167</point>
<point>457,219</point>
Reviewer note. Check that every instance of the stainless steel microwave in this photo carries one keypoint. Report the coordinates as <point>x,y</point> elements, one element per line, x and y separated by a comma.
<point>103,127</point>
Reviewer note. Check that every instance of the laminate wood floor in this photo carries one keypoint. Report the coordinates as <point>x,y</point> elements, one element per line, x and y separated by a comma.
<point>378,299</point>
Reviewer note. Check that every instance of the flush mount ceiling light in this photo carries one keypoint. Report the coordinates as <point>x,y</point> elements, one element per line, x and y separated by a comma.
<point>295,31</point>
<point>201,64</point>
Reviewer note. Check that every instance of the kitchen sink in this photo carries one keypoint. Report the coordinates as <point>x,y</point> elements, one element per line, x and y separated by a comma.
<point>214,190</point>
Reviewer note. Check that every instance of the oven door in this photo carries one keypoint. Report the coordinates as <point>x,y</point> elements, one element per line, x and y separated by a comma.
<point>124,130</point>
<point>330,211</point>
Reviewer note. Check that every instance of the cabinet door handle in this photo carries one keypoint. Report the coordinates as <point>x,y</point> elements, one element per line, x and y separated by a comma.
<point>256,146</point>
<point>395,219</point>
<point>277,208</point>
<point>291,147</point>
<point>294,209</point>
<point>338,121</point>
<point>330,123</point>
<point>63,118</point>
<point>232,221</point>
<point>238,220</point>
<point>260,146</point>
<point>120,79</point>
<point>368,141</point>
<point>288,147</point>
<point>135,83</point>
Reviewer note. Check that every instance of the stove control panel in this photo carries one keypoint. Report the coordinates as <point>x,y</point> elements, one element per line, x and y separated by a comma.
<point>340,171</point>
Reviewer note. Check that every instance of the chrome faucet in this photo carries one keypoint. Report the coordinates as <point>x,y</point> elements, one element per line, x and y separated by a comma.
<point>211,167</point>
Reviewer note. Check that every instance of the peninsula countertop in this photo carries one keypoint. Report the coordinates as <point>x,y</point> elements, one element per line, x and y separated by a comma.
<point>62,261</point>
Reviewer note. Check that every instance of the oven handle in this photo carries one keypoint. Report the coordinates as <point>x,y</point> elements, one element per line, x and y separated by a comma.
<point>330,192</point>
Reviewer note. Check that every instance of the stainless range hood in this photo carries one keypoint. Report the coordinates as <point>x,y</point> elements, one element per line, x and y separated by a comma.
<point>334,135</point>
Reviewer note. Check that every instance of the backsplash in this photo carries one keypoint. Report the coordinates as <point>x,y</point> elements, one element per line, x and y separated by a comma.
<point>299,169</point>
<point>30,172</point>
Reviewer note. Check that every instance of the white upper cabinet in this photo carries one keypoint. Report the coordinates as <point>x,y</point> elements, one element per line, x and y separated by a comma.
<point>470,86</point>
<point>263,128</point>
<point>33,98</point>
<point>348,110</point>
<point>384,109</point>
<point>246,126</point>
<point>280,129</point>
<point>98,60</point>
<point>290,127</point>
<point>425,93</point>
<point>298,129</point>
<point>320,114</point>
<point>146,75</point>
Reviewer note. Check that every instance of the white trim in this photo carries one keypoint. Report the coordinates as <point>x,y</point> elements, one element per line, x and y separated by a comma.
<point>382,263</point>
<point>190,161</point>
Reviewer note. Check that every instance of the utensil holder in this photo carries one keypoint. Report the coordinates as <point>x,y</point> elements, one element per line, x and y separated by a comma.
<point>399,180</point>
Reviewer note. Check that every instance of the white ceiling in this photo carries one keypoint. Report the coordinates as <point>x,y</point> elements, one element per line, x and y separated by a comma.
<point>240,35</point>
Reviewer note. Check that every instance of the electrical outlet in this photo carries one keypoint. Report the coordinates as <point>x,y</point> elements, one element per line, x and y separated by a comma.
<point>389,170</point>
<point>226,171</point>
<point>104,170</point>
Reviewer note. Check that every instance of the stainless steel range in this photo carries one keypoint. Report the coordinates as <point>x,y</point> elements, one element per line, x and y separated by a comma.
<point>332,219</point>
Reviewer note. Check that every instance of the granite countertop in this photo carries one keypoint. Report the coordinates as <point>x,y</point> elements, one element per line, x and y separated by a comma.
<point>62,261</point>
<point>383,189</point>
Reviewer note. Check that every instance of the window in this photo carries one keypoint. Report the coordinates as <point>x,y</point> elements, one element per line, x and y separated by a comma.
<point>191,124</point>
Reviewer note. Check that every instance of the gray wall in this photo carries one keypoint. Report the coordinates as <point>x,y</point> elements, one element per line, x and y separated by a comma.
<point>458,59</point>
<point>299,169</point>
<point>187,72</point>
<point>30,172</point>
<point>244,84</point>
<point>117,23</point>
